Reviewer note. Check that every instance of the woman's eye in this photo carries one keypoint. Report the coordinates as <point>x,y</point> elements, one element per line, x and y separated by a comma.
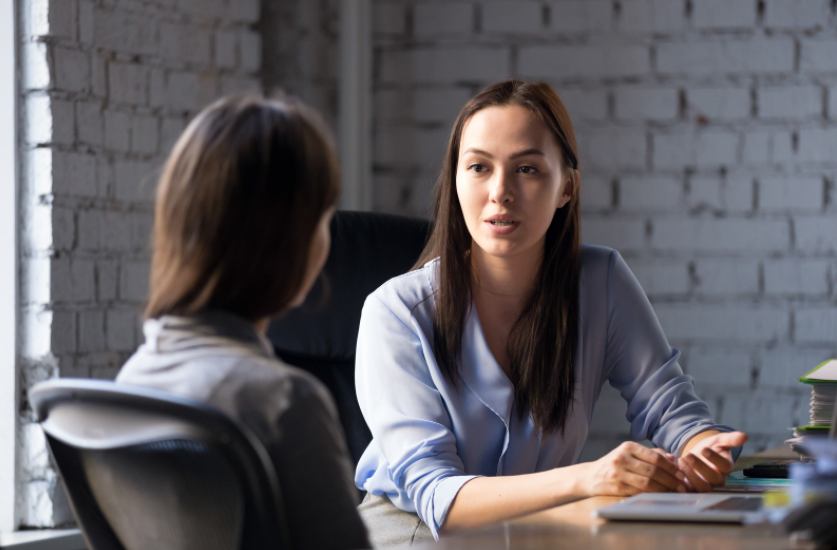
<point>477,168</point>
<point>527,170</point>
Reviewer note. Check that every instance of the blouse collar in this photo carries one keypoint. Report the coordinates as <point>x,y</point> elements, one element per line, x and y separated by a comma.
<point>481,372</point>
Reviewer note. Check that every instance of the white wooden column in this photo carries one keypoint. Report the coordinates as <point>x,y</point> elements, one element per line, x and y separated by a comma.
<point>8,266</point>
<point>355,105</point>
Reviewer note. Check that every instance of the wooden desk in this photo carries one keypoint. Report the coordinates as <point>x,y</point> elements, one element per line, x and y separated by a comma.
<point>571,526</point>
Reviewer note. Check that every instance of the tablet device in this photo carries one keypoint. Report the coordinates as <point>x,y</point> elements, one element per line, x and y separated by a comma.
<point>700,507</point>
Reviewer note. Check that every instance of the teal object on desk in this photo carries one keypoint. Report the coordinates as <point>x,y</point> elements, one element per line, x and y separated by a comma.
<point>738,483</point>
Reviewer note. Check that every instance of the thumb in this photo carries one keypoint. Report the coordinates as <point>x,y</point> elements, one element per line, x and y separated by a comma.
<point>730,440</point>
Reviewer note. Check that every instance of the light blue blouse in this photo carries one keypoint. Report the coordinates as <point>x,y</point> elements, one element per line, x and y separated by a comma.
<point>429,438</point>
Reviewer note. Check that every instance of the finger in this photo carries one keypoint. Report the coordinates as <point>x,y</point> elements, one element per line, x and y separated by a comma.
<point>723,464</point>
<point>657,474</point>
<point>670,457</point>
<point>697,482</point>
<point>729,440</point>
<point>706,470</point>
<point>644,484</point>
<point>658,459</point>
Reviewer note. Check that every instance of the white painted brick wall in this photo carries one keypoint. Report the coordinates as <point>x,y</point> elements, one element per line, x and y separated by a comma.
<point>586,105</point>
<point>704,193</point>
<point>796,14</point>
<point>663,278</point>
<point>722,14</point>
<point>644,194</point>
<point>726,57</point>
<point>818,55</point>
<point>720,103</point>
<point>646,104</point>
<point>797,276</point>
<point>724,324</point>
<point>652,16</point>
<point>615,148</point>
<point>790,102</point>
<point>727,367</point>
<point>451,18</point>
<point>727,277</point>
<point>721,235</point>
<point>521,17</point>
<point>107,89</point>
<point>791,193</point>
<point>580,16</point>
<point>570,61</point>
<point>708,145</point>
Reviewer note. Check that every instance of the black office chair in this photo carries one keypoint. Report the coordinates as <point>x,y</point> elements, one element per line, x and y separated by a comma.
<point>320,337</point>
<point>147,469</point>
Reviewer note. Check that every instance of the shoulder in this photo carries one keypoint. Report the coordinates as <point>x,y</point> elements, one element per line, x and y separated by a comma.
<point>406,295</point>
<point>597,261</point>
<point>274,380</point>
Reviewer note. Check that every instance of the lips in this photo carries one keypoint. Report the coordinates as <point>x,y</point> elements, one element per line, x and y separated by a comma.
<point>502,220</point>
<point>502,224</point>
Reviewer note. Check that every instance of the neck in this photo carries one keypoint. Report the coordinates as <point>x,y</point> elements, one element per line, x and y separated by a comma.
<point>507,278</point>
<point>262,324</point>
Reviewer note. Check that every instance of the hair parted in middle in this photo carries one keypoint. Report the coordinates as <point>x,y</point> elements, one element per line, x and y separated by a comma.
<point>542,342</point>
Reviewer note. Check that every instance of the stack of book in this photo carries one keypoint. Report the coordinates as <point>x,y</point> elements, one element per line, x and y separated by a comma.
<point>823,382</point>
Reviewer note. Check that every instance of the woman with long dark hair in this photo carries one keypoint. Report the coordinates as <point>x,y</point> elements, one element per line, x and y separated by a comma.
<point>241,232</point>
<point>478,371</point>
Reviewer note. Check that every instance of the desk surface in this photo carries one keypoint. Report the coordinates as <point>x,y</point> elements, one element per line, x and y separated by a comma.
<point>572,526</point>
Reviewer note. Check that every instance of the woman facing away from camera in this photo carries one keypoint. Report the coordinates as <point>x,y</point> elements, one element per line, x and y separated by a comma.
<point>478,371</point>
<point>241,232</point>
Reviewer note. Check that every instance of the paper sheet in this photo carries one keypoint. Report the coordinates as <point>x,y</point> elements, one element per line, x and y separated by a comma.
<point>825,372</point>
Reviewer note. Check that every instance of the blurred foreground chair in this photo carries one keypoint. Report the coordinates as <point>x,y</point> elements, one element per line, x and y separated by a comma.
<point>367,249</point>
<point>146,469</point>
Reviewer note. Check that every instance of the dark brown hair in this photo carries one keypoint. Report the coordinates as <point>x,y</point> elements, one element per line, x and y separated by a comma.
<point>238,202</point>
<point>542,342</point>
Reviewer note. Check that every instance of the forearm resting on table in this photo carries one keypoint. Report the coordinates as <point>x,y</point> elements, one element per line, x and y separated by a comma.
<point>485,500</point>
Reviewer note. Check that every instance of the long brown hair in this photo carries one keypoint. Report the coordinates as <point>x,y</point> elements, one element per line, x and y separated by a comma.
<point>542,342</point>
<point>238,202</point>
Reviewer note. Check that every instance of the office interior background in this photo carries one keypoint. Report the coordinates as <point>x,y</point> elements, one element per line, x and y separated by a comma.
<point>708,144</point>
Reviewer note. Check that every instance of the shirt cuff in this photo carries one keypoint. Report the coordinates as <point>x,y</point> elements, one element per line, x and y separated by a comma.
<point>443,497</point>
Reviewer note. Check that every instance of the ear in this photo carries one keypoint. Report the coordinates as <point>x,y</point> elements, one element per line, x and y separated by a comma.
<point>570,188</point>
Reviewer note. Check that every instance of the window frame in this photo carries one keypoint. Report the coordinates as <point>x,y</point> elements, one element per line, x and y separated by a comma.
<point>9,379</point>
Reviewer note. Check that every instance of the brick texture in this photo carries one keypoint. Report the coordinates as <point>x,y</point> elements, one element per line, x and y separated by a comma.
<point>107,87</point>
<point>708,143</point>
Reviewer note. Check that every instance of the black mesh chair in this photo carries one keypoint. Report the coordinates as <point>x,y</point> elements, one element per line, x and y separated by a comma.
<point>146,469</point>
<point>321,336</point>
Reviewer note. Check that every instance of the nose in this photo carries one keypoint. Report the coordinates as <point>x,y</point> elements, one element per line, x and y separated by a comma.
<point>502,187</point>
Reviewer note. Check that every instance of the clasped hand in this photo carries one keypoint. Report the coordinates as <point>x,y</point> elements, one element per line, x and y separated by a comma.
<point>631,468</point>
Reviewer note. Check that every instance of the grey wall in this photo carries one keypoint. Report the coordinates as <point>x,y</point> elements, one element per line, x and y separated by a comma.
<point>708,142</point>
<point>708,136</point>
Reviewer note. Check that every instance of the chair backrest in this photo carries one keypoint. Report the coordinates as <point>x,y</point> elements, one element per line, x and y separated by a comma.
<point>147,469</point>
<point>367,249</point>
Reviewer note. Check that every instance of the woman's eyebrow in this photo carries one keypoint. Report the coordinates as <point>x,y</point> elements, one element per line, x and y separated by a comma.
<point>523,153</point>
<point>527,152</point>
<point>477,152</point>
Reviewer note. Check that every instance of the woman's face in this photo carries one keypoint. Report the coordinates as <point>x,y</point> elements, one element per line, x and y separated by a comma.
<point>509,180</point>
<point>317,254</point>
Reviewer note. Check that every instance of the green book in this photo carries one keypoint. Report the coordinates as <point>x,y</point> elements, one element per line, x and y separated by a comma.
<point>811,428</point>
<point>824,373</point>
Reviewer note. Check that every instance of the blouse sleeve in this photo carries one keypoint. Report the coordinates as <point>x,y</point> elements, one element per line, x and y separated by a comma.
<point>406,414</point>
<point>662,404</point>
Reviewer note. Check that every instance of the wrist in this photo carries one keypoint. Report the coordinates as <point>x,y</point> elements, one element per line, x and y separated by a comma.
<point>695,439</point>
<point>577,478</point>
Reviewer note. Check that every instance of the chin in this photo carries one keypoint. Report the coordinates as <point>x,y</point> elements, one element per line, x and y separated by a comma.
<point>499,250</point>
